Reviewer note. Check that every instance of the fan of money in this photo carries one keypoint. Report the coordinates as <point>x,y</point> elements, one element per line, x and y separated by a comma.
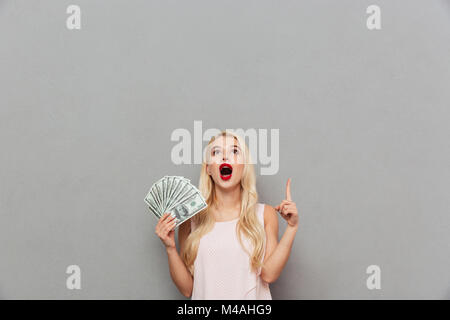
<point>175,195</point>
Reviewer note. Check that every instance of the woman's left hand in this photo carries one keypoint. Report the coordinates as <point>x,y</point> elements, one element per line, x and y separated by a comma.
<point>287,207</point>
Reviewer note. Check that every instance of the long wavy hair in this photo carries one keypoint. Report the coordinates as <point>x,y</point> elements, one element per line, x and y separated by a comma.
<point>248,225</point>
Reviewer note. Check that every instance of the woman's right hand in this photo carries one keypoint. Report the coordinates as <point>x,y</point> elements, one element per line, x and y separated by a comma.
<point>165,229</point>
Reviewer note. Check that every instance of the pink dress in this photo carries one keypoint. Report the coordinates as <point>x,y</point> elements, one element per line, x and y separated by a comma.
<point>222,268</point>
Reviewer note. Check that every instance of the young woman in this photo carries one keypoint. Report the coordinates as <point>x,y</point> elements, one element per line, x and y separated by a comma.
<point>230,250</point>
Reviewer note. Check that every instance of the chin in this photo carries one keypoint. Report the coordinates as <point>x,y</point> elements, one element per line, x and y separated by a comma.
<point>228,184</point>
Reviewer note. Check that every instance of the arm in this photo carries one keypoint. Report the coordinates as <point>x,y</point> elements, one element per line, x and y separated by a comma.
<point>178,270</point>
<point>277,254</point>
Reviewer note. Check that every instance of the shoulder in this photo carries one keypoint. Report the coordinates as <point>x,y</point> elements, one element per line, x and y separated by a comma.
<point>270,215</point>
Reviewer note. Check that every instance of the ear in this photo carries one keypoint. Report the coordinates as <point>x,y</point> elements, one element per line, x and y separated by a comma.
<point>207,169</point>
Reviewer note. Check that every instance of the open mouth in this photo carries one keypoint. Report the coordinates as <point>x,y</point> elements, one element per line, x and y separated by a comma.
<point>225,171</point>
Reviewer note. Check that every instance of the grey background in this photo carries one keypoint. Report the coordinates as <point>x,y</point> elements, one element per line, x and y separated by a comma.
<point>86,118</point>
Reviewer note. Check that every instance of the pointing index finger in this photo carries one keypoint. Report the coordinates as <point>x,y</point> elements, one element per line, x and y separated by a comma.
<point>288,190</point>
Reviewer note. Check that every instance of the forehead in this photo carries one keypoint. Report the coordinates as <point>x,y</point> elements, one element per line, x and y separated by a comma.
<point>224,141</point>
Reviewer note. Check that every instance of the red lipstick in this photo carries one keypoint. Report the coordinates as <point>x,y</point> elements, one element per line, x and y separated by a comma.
<point>225,170</point>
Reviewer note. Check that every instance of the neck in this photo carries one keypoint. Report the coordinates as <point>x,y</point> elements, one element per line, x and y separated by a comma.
<point>228,198</point>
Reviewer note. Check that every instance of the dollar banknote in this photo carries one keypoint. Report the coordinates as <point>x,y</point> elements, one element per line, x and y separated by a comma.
<point>175,195</point>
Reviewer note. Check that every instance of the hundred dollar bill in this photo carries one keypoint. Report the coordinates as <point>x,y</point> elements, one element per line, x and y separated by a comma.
<point>176,195</point>
<point>189,208</point>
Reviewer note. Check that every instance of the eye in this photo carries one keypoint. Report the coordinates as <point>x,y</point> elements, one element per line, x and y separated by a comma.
<point>215,151</point>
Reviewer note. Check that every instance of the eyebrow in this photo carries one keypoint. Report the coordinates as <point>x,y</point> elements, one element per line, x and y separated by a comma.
<point>216,147</point>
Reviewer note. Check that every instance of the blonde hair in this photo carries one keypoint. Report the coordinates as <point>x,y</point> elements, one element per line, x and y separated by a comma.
<point>248,224</point>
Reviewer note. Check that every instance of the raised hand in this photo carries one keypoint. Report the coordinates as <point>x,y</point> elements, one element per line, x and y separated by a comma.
<point>287,208</point>
<point>165,229</point>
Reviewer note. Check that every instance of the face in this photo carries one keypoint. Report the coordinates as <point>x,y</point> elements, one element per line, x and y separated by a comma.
<point>226,162</point>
